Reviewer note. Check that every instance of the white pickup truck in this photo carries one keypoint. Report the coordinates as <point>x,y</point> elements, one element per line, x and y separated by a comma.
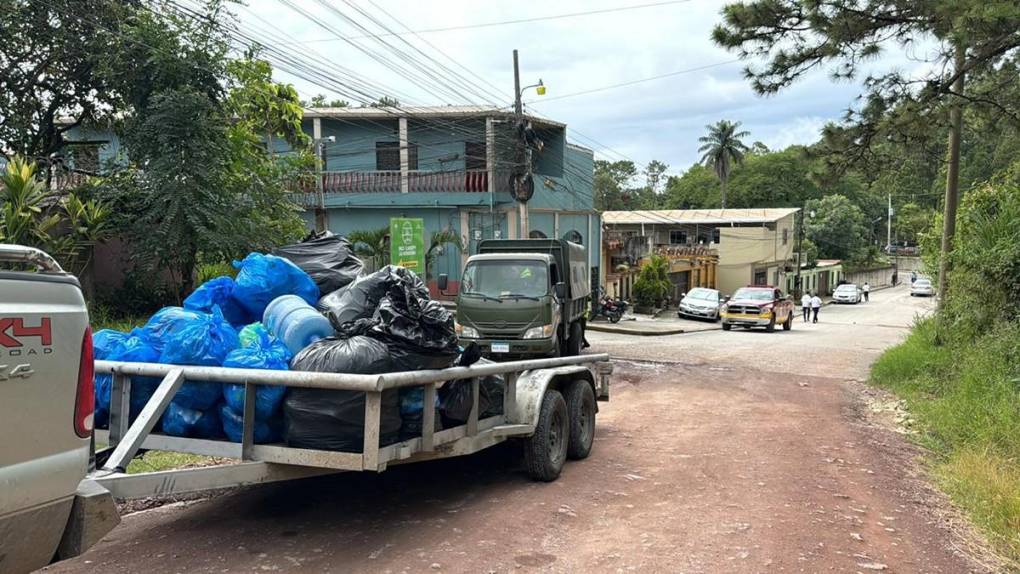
<point>48,511</point>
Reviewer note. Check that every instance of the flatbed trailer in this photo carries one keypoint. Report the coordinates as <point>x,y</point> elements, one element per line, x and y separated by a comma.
<point>548,403</point>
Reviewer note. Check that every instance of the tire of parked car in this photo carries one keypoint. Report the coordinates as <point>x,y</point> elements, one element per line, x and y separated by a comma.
<point>788,324</point>
<point>726,326</point>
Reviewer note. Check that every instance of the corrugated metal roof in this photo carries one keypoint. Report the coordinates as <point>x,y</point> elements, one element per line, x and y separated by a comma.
<point>698,216</point>
<point>422,112</point>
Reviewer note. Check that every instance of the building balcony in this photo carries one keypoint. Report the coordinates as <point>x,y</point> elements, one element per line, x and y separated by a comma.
<point>337,184</point>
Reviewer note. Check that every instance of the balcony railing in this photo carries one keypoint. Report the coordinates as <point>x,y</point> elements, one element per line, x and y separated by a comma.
<point>390,181</point>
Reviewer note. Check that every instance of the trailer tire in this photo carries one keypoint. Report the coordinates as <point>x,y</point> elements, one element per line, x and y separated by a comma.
<point>581,409</point>
<point>545,452</point>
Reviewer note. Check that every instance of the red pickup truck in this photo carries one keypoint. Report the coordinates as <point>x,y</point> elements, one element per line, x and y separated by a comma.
<point>758,306</point>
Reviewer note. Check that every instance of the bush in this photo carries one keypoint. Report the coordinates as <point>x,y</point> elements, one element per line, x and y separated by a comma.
<point>653,285</point>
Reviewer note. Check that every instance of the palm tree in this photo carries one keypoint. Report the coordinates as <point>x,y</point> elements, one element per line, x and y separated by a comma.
<point>373,245</point>
<point>722,149</point>
<point>440,239</point>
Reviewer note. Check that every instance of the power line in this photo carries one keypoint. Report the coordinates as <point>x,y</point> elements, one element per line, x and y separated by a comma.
<point>639,81</point>
<point>515,21</point>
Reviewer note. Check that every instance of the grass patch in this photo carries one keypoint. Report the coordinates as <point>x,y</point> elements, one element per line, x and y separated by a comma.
<point>965,396</point>
<point>156,460</point>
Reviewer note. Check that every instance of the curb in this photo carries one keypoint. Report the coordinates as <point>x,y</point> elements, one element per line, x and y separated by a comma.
<point>625,331</point>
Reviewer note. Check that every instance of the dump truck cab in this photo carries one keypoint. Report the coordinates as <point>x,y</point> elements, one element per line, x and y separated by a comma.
<point>524,298</point>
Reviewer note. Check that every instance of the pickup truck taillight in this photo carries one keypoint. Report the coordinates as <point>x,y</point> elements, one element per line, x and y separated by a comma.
<point>85,401</point>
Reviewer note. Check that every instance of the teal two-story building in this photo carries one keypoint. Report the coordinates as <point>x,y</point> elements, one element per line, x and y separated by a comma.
<point>450,166</point>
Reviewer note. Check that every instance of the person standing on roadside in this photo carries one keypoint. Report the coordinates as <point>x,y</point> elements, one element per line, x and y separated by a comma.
<point>867,290</point>
<point>805,305</point>
<point>816,304</point>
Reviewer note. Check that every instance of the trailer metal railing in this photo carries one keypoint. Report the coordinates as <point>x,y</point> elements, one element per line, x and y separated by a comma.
<point>269,462</point>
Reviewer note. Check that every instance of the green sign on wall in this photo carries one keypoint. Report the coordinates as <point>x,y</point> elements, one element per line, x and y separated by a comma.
<point>407,243</point>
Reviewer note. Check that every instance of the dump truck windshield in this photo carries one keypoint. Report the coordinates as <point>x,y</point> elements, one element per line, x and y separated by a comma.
<point>506,278</point>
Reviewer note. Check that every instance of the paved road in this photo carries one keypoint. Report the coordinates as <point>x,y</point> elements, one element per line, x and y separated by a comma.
<point>747,452</point>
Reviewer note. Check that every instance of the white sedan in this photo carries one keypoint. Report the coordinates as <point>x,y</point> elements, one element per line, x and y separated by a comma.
<point>847,293</point>
<point>922,288</point>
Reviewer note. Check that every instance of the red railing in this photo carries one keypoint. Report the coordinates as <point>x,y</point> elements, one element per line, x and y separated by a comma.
<point>464,181</point>
<point>389,181</point>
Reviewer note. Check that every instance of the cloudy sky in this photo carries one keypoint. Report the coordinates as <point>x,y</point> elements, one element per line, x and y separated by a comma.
<point>659,119</point>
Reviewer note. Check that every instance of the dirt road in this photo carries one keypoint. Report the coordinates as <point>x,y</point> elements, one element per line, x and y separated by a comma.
<point>751,453</point>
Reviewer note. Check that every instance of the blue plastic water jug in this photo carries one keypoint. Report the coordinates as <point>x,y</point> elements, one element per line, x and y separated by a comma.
<point>290,319</point>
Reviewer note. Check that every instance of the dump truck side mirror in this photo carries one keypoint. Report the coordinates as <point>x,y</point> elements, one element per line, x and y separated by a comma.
<point>561,290</point>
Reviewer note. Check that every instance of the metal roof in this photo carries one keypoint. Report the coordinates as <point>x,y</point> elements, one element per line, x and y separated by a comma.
<point>698,216</point>
<point>423,112</point>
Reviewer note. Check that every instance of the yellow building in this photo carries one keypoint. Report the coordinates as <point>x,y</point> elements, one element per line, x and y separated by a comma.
<point>721,248</point>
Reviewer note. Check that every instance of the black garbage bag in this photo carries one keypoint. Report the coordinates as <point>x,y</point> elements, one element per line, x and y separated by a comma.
<point>329,259</point>
<point>335,420</point>
<point>360,299</point>
<point>455,398</point>
<point>418,331</point>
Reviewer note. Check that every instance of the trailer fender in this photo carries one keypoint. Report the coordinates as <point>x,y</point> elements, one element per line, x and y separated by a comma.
<point>532,385</point>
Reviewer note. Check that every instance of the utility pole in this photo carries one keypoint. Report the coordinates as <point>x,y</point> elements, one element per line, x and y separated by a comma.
<point>952,175</point>
<point>320,208</point>
<point>888,225</point>
<point>522,206</point>
<point>799,286</point>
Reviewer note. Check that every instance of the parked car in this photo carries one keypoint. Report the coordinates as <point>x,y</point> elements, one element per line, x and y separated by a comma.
<point>922,288</point>
<point>700,303</point>
<point>758,306</point>
<point>847,293</point>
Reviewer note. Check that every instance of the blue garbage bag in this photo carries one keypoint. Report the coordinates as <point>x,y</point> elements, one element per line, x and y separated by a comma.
<point>217,292</point>
<point>204,340</point>
<point>136,349</point>
<point>181,421</point>
<point>103,342</point>
<point>262,278</point>
<point>265,352</point>
<point>412,399</point>
<point>269,430</point>
<point>166,322</point>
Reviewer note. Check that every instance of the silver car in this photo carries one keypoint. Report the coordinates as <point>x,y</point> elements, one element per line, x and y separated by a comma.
<point>700,303</point>
<point>847,293</point>
<point>922,288</point>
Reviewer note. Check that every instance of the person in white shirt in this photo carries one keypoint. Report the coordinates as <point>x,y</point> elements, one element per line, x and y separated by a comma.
<point>816,304</point>
<point>866,289</point>
<point>805,304</point>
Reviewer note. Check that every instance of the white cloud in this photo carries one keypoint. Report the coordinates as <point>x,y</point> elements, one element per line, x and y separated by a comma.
<point>660,119</point>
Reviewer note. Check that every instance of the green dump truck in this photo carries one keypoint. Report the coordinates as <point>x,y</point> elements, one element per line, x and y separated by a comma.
<point>523,298</point>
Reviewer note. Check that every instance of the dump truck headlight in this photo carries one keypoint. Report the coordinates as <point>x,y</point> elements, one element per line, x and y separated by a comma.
<point>540,332</point>
<point>466,331</point>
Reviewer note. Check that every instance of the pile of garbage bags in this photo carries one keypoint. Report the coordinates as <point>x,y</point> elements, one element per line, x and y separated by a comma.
<point>264,319</point>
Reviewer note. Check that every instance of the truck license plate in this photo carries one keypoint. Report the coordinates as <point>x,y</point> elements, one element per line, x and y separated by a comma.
<point>501,347</point>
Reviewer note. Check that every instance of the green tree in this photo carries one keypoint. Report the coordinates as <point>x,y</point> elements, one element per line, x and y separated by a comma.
<point>320,101</point>
<point>269,108</point>
<point>654,171</point>
<point>911,220</point>
<point>973,38</point>
<point>384,102</point>
<point>437,244</point>
<point>722,150</point>
<point>653,285</point>
<point>838,228</point>
<point>53,61</point>
<point>697,188</point>
<point>612,185</point>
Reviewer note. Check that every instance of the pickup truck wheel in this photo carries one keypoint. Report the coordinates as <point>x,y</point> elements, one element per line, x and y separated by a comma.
<point>726,326</point>
<point>772,324</point>
<point>575,343</point>
<point>581,410</point>
<point>546,450</point>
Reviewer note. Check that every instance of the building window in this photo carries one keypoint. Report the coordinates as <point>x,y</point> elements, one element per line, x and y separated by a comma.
<point>474,156</point>
<point>85,157</point>
<point>760,277</point>
<point>387,156</point>
<point>786,235</point>
<point>715,236</point>
<point>536,234</point>
<point>677,237</point>
<point>574,236</point>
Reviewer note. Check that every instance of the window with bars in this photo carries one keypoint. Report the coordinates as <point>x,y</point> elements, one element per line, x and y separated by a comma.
<point>387,156</point>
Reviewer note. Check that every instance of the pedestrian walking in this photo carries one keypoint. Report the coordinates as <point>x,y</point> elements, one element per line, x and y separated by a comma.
<point>913,277</point>
<point>867,290</point>
<point>805,305</point>
<point>816,304</point>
